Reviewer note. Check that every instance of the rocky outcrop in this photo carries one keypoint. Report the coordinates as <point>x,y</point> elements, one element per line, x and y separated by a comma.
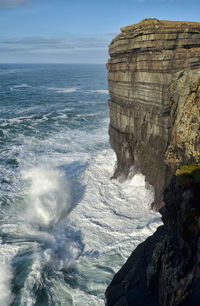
<point>143,59</point>
<point>165,269</point>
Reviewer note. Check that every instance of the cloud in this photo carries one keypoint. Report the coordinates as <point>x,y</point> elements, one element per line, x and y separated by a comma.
<point>9,4</point>
<point>31,41</point>
<point>31,44</point>
<point>112,34</point>
<point>73,49</point>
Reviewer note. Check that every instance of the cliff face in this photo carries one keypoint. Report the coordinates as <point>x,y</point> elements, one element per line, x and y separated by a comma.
<point>143,59</point>
<point>165,269</point>
<point>184,146</point>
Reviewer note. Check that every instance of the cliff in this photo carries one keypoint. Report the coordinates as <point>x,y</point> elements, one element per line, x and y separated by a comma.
<point>143,58</point>
<point>165,269</point>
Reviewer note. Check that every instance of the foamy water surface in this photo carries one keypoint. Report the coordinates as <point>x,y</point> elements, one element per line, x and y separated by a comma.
<point>66,227</point>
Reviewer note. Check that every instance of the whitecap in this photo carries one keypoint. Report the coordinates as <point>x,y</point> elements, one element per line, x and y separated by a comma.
<point>101,91</point>
<point>62,90</point>
<point>19,86</point>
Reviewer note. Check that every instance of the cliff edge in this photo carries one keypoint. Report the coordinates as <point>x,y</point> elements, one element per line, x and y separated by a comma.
<point>143,59</point>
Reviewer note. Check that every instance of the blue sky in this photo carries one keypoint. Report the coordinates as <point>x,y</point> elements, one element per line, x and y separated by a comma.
<point>76,31</point>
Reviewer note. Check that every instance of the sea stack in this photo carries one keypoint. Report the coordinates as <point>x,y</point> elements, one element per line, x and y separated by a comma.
<point>143,60</point>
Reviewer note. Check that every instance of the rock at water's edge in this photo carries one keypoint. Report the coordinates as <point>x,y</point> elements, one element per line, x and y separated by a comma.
<point>165,269</point>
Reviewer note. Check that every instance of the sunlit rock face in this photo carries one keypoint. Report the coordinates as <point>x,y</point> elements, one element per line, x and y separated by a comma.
<point>184,144</point>
<point>143,58</point>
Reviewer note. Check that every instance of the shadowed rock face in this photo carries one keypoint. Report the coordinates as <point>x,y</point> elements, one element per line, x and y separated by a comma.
<point>143,59</point>
<point>165,269</point>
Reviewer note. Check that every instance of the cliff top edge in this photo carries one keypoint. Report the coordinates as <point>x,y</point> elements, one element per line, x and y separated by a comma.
<point>153,23</point>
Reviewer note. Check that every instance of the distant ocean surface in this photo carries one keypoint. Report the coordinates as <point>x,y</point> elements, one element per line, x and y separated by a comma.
<point>65,227</point>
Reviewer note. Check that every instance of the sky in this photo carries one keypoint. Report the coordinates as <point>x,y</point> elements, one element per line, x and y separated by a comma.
<point>76,31</point>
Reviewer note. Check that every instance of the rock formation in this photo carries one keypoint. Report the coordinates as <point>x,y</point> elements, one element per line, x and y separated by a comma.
<point>143,59</point>
<point>165,269</point>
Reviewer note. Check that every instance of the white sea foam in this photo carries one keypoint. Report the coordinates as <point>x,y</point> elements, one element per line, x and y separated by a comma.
<point>5,284</point>
<point>108,206</point>
<point>101,91</point>
<point>62,90</point>
<point>102,208</point>
<point>40,222</point>
<point>15,87</point>
<point>6,122</point>
<point>83,223</point>
<point>91,236</point>
<point>21,86</point>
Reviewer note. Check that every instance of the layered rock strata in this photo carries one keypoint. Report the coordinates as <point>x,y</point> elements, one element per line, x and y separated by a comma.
<point>143,59</point>
<point>165,269</point>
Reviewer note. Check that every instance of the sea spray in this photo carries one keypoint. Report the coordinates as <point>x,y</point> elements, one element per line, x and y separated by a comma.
<point>6,275</point>
<point>45,216</point>
<point>39,224</point>
<point>50,196</point>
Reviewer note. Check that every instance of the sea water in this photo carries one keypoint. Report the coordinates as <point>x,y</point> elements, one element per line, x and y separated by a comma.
<point>65,226</point>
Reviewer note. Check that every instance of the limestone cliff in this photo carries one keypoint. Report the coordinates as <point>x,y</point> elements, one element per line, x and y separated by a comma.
<point>143,59</point>
<point>165,269</point>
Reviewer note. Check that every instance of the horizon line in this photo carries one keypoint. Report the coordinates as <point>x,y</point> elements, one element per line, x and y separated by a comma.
<point>12,63</point>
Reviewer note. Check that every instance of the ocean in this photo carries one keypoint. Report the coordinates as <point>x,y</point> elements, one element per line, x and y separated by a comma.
<point>65,226</point>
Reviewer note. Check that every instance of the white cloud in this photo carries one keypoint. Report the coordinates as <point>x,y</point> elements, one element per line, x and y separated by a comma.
<point>32,44</point>
<point>8,4</point>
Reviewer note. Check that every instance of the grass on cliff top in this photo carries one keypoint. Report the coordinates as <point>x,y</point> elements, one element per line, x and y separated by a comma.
<point>188,172</point>
<point>151,22</point>
<point>187,169</point>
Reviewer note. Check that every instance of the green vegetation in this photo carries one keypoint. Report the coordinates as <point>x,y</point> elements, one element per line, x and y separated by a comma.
<point>188,174</point>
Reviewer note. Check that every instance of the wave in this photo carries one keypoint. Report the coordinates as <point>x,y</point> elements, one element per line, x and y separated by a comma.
<point>38,224</point>
<point>14,87</point>
<point>62,90</point>
<point>16,120</point>
<point>66,228</point>
<point>101,91</point>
